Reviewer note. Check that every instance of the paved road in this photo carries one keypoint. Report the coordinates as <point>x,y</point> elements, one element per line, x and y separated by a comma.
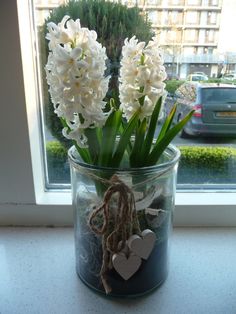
<point>206,141</point>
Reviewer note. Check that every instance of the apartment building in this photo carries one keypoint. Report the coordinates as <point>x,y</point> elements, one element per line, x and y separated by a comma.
<point>192,33</point>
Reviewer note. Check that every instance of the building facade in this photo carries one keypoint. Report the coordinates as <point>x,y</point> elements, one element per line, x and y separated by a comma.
<point>191,33</point>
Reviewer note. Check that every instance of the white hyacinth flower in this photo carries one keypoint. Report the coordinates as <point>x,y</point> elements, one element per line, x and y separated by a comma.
<point>75,75</point>
<point>141,77</point>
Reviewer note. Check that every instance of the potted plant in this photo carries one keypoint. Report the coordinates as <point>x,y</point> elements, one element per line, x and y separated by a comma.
<point>123,176</point>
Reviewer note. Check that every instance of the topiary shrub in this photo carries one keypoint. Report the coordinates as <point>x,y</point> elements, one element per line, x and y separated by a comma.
<point>172,85</point>
<point>113,22</point>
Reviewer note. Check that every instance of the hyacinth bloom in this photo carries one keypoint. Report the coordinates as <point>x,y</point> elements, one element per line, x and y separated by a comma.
<point>75,75</point>
<point>141,77</point>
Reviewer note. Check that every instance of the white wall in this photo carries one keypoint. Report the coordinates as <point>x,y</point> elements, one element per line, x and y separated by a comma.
<point>13,122</point>
<point>226,39</point>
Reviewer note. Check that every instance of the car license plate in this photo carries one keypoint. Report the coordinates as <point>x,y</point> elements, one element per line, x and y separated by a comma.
<point>226,114</point>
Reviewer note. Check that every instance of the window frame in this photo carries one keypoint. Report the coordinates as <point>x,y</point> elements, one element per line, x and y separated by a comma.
<point>23,200</point>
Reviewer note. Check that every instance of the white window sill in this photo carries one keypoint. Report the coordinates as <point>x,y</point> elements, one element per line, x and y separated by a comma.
<point>55,209</point>
<point>182,198</point>
<point>201,279</point>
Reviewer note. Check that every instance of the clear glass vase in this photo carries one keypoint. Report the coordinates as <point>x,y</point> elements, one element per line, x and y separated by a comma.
<point>122,224</point>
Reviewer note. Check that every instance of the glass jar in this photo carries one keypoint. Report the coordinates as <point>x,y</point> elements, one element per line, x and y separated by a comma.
<point>120,268</point>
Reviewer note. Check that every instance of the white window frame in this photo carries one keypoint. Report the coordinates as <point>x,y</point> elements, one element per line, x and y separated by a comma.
<point>23,200</point>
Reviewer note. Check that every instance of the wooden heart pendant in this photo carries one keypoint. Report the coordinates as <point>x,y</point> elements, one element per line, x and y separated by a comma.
<point>126,267</point>
<point>142,246</point>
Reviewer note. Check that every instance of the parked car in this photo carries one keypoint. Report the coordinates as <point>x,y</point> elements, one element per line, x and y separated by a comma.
<point>197,77</point>
<point>229,77</point>
<point>201,73</point>
<point>215,108</point>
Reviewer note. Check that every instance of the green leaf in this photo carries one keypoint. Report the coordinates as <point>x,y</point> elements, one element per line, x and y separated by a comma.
<point>167,124</point>
<point>109,134</point>
<point>93,143</point>
<point>139,139</point>
<point>124,140</point>
<point>164,142</point>
<point>84,153</point>
<point>151,130</point>
<point>121,131</point>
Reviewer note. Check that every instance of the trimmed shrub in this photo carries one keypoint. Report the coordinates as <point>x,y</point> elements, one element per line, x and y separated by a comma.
<point>57,161</point>
<point>172,85</point>
<point>198,164</point>
<point>202,164</point>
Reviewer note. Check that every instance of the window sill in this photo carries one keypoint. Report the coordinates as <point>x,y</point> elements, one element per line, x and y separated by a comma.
<point>182,198</point>
<point>55,209</point>
<point>201,278</point>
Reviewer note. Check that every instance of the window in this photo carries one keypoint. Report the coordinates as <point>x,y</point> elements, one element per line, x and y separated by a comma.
<point>194,2</point>
<point>155,17</point>
<point>214,2</point>
<point>175,18</point>
<point>192,17</point>
<point>190,35</point>
<point>211,18</point>
<point>176,2</point>
<point>210,36</point>
<point>154,2</point>
<point>28,203</point>
<point>57,174</point>
<point>173,36</point>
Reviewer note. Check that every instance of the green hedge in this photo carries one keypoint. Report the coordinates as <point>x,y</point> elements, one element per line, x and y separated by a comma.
<point>57,161</point>
<point>202,164</point>
<point>198,164</point>
<point>214,157</point>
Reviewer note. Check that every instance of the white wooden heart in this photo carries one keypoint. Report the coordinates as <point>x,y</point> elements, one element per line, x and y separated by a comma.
<point>126,267</point>
<point>142,246</point>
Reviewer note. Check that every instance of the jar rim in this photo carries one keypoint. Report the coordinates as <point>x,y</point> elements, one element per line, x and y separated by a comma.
<point>170,150</point>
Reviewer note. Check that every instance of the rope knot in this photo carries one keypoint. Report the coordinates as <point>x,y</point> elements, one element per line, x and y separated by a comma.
<point>120,221</point>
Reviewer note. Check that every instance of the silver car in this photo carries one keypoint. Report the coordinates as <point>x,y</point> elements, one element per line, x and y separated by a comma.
<point>215,108</point>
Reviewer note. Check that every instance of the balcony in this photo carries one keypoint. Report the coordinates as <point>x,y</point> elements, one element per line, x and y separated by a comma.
<point>199,58</point>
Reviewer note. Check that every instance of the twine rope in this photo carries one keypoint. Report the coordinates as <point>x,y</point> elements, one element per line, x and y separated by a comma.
<point>119,223</point>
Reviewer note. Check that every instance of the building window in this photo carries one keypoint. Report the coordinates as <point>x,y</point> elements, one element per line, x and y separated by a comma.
<point>175,17</point>
<point>213,2</point>
<point>154,17</point>
<point>210,36</point>
<point>194,2</point>
<point>154,2</point>
<point>211,18</point>
<point>192,17</point>
<point>191,36</point>
<point>176,2</point>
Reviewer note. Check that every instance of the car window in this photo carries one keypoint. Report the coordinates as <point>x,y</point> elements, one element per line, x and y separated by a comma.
<point>197,78</point>
<point>219,95</point>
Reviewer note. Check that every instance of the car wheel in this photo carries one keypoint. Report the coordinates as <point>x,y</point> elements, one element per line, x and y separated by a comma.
<point>183,134</point>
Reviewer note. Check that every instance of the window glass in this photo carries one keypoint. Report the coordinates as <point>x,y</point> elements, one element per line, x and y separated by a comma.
<point>220,95</point>
<point>194,2</point>
<point>197,50</point>
<point>192,17</point>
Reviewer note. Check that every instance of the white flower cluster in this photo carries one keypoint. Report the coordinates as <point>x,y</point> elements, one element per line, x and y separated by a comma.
<point>75,75</point>
<point>141,77</point>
